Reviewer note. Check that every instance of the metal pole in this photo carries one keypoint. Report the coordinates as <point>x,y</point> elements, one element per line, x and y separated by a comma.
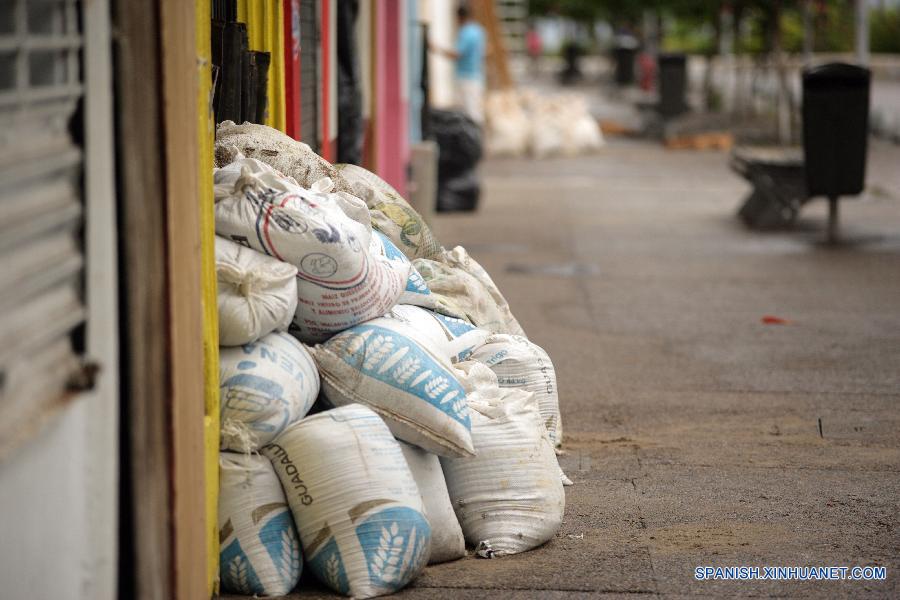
<point>808,33</point>
<point>832,219</point>
<point>862,31</point>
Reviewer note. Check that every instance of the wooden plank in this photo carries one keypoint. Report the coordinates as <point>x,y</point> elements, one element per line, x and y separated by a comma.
<point>186,356</point>
<point>701,141</point>
<point>205,138</point>
<point>146,535</point>
<point>497,61</point>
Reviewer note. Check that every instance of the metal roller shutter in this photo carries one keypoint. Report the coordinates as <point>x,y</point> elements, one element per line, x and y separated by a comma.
<point>41,245</point>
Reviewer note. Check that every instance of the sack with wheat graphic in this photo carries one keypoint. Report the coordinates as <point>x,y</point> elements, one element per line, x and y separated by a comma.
<point>259,546</point>
<point>264,387</point>
<point>357,508</point>
<point>455,338</point>
<point>510,493</point>
<point>325,235</point>
<point>390,367</point>
<point>447,542</point>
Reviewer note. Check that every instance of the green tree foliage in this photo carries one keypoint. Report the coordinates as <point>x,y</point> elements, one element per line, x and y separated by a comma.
<point>694,23</point>
<point>884,30</point>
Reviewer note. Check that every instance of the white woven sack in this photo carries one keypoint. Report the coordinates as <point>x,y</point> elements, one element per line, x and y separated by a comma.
<point>548,131</point>
<point>356,505</point>
<point>391,368</point>
<point>259,550</point>
<point>455,338</point>
<point>508,127</point>
<point>339,282</point>
<point>257,294</point>
<point>264,387</point>
<point>509,495</point>
<point>391,214</point>
<point>416,291</point>
<point>583,135</point>
<point>519,363</point>
<point>447,542</point>
<point>458,279</point>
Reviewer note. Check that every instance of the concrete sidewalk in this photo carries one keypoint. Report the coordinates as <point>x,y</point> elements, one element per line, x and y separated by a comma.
<point>692,427</point>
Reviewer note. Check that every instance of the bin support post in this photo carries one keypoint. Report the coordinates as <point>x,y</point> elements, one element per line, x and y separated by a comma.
<point>832,219</point>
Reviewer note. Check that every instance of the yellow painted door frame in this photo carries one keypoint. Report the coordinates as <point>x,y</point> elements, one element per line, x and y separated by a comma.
<point>205,138</point>
<point>265,32</point>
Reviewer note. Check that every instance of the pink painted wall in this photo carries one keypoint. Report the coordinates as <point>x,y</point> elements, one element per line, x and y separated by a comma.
<point>391,103</point>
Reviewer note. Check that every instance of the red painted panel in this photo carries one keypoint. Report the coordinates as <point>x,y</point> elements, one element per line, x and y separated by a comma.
<point>325,82</point>
<point>291,10</point>
<point>391,110</point>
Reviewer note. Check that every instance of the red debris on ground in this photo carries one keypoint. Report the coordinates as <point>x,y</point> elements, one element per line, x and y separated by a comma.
<point>773,320</point>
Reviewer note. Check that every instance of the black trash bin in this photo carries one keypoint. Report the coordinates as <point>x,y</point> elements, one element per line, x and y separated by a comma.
<point>672,75</point>
<point>624,55</point>
<point>835,132</point>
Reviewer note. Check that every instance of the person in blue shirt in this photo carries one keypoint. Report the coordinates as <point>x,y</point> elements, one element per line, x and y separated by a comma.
<point>471,47</point>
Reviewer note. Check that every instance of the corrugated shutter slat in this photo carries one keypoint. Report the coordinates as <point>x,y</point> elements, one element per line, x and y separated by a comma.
<point>41,212</point>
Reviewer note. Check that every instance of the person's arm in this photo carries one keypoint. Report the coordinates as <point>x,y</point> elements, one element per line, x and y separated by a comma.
<point>445,52</point>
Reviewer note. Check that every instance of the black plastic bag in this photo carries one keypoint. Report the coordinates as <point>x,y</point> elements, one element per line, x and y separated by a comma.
<point>459,193</point>
<point>459,141</point>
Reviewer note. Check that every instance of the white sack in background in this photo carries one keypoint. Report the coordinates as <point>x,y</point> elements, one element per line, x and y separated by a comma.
<point>339,282</point>
<point>507,126</point>
<point>447,542</point>
<point>583,135</point>
<point>388,366</point>
<point>509,495</point>
<point>259,550</point>
<point>356,505</point>
<point>545,124</point>
<point>264,387</point>
<point>257,294</point>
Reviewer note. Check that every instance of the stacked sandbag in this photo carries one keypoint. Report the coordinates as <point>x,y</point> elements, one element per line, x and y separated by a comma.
<point>581,132</point>
<point>387,365</point>
<point>456,339</point>
<point>543,124</point>
<point>391,213</point>
<point>257,294</point>
<point>358,509</point>
<point>283,153</point>
<point>461,281</point>
<point>393,321</point>
<point>447,541</point>
<point>259,550</point>
<point>548,127</point>
<point>521,364</point>
<point>507,126</point>
<point>508,497</point>
<point>264,387</point>
<point>339,282</point>
<point>416,292</point>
